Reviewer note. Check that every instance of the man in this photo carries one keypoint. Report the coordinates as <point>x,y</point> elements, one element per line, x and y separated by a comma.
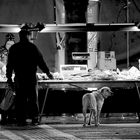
<point>23,60</point>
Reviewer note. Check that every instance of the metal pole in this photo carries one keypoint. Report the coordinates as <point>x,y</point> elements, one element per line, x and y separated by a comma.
<point>127,38</point>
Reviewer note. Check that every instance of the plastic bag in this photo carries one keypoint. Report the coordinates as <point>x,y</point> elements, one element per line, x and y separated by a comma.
<point>8,99</point>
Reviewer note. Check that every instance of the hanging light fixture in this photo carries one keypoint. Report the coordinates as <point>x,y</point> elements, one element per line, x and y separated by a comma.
<point>33,28</point>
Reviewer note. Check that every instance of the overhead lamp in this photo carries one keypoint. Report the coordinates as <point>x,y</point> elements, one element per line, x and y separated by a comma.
<point>39,26</point>
<point>33,28</point>
<point>26,26</point>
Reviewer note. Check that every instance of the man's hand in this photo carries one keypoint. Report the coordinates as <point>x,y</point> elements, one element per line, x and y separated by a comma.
<point>50,76</point>
<point>11,84</point>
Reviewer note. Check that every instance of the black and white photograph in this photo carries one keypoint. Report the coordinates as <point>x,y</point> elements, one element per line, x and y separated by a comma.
<point>69,69</point>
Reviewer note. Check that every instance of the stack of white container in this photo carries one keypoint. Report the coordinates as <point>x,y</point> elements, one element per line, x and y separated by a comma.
<point>106,60</point>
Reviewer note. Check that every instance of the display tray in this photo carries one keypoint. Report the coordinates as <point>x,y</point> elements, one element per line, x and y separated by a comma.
<point>83,84</point>
<point>89,84</point>
<point>123,90</point>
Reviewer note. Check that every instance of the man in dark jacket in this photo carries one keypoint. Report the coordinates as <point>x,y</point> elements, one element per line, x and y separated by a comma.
<point>23,59</point>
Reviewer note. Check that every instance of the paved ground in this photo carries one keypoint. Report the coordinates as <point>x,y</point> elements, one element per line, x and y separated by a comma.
<point>70,128</point>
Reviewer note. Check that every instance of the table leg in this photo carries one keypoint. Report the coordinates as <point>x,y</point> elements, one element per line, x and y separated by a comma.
<point>137,87</point>
<point>138,113</point>
<point>44,102</point>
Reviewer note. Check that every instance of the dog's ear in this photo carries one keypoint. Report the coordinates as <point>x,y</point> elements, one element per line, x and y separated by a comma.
<point>101,90</point>
<point>105,88</point>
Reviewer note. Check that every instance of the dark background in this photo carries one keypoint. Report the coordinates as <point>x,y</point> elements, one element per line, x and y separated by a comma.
<point>111,11</point>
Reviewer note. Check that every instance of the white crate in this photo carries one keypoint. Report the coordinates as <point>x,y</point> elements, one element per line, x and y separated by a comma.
<point>69,69</point>
<point>107,54</point>
<point>106,60</point>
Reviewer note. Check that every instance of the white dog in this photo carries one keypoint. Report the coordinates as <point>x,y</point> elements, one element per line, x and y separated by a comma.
<point>94,102</point>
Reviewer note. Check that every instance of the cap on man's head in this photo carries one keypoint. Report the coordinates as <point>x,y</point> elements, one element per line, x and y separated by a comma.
<point>24,32</point>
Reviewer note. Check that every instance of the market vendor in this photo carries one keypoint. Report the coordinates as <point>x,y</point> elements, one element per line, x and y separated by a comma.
<point>21,53</point>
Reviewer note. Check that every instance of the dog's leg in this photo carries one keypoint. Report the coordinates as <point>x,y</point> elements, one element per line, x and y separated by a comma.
<point>90,117</point>
<point>95,118</point>
<point>85,117</point>
<point>98,117</point>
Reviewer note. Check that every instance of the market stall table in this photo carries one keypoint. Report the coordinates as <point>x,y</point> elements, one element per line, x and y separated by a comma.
<point>70,84</point>
<point>62,84</point>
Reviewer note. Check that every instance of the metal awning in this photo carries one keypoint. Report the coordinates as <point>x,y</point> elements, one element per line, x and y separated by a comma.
<point>70,27</point>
